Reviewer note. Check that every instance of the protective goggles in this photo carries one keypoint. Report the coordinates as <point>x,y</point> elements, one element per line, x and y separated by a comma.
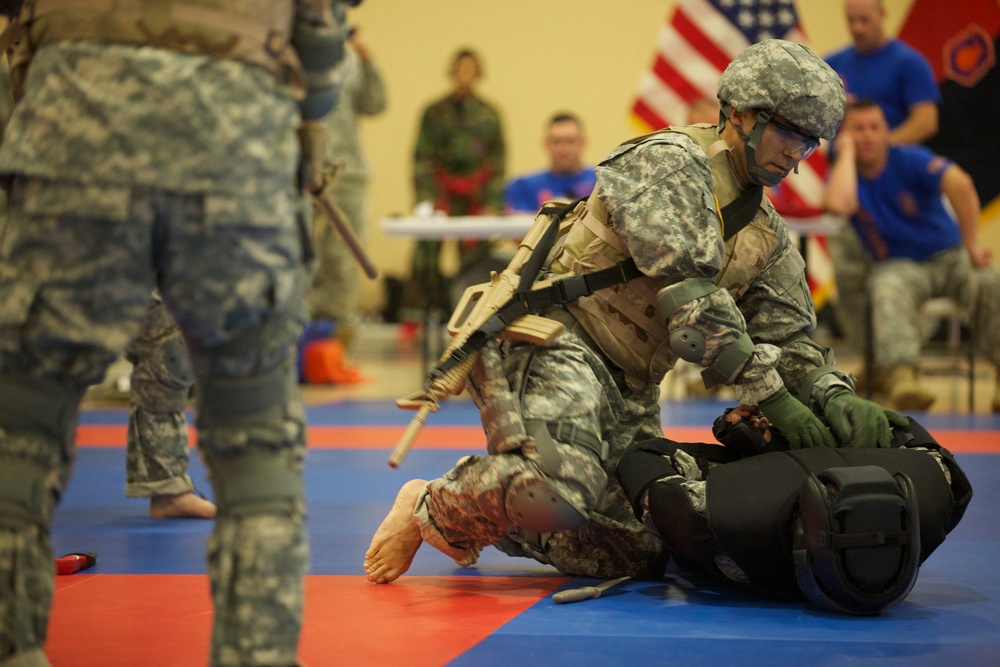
<point>789,139</point>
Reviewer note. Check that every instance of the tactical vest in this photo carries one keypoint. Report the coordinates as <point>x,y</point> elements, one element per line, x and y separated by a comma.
<point>622,319</point>
<point>256,32</point>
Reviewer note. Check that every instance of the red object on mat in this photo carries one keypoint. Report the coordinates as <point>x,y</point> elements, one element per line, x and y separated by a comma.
<point>75,562</point>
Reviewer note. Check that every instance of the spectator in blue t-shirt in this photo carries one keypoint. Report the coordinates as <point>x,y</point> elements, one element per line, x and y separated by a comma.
<point>566,178</point>
<point>916,248</point>
<point>900,80</point>
<point>889,72</point>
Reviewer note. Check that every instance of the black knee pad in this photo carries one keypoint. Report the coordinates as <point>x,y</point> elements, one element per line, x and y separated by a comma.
<point>856,539</point>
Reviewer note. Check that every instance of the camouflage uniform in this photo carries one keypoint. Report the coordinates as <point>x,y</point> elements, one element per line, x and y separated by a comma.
<point>460,139</point>
<point>136,168</point>
<point>156,459</point>
<point>599,382</point>
<point>335,290</point>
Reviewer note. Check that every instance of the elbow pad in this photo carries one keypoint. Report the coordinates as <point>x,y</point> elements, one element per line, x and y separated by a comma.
<point>688,342</point>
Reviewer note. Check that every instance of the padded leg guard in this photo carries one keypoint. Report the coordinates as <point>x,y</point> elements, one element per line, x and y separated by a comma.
<point>39,407</point>
<point>685,530</point>
<point>642,464</point>
<point>258,481</point>
<point>856,541</point>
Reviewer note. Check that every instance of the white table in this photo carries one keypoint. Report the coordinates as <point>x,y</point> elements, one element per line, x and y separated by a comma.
<point>439,227</point>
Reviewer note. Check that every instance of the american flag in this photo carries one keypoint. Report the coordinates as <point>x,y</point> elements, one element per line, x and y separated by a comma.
<point>692,50</point>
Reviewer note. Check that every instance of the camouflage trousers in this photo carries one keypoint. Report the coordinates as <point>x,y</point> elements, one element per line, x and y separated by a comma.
<point>77,269</point>
<point>335,293</point>
<point>156,458</point>
<point>851,266</point>
<point>564,384</point>
<point>898,288</point>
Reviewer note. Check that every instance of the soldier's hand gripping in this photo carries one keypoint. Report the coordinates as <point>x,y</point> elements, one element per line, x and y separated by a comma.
<point>860,423</point>
<point>796,421</point>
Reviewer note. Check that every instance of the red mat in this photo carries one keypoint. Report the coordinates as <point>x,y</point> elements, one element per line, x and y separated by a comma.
<point>472,437</point>
<point>165,620</point>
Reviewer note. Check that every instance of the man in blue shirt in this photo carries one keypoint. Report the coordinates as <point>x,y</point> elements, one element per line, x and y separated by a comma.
<point>900,80</point>
<point>889,72</point>
<point>917,249</point>
<point>566,177</point>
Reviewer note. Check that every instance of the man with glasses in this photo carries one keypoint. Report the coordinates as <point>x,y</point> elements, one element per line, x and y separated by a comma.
<point>566,178</point>
<point>708,274</point>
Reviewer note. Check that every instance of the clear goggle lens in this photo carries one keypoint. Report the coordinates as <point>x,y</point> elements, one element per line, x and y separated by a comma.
<point>791,140</point>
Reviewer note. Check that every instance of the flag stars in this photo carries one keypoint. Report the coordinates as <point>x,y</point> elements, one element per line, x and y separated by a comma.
<point>747,19</point>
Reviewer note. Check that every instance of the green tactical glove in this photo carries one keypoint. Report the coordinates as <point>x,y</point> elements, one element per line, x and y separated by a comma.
<point>860,423</point>
<point>795,421</point>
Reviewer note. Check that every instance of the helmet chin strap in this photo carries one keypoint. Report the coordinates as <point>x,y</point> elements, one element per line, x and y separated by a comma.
<point>758,176</point>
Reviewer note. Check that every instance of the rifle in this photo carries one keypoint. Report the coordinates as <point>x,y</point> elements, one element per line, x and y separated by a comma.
<point>483,313</point>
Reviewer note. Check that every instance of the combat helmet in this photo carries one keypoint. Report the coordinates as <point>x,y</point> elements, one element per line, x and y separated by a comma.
<point>785,79</point>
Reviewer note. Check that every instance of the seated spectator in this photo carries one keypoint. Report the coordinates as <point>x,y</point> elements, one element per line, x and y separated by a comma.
<point>918,250</point>
<point>566,177</point>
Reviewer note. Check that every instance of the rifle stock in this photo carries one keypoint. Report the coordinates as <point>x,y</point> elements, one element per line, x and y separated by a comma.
<point>477,305</point>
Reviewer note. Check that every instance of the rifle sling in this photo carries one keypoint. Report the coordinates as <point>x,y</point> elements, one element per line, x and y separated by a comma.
<point>525,302</point>
<point>738,213</point>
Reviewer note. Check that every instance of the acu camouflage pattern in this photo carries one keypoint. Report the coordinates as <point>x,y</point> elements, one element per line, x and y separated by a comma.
<point>787,79</point>
<point>565,383</point>
<point>898,288</point>
<point>156,455</point>
<point>108,152</point>
<point>659,195</point>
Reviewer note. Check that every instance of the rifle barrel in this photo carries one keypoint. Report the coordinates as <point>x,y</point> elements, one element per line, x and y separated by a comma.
<point>409,435</point>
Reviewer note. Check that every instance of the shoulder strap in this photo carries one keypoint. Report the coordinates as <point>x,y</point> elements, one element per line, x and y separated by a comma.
<point>738,213</point>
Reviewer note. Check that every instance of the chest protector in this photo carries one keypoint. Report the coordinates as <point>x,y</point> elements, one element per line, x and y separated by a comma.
<point>622,319</point>
<point>256,32</point>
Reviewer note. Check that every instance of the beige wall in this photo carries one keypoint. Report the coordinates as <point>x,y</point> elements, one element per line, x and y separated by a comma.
<point>540,56</point>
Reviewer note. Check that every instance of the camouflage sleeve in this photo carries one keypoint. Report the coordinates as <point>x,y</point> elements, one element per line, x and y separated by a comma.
<point>658,195</point>
<point>424,185</point>
<point>779,312</point>
<point>496,157</point>
<point>371,98</point>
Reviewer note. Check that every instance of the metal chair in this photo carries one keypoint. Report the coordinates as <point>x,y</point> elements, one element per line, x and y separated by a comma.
<point>938,308</point>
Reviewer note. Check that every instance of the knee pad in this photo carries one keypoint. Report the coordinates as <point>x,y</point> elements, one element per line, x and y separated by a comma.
<point>22,494</point>
<point>242,403</point>
<point>536,505</point>
<point>258,481</point>
<point>856,539</point>
<point>39,407</point>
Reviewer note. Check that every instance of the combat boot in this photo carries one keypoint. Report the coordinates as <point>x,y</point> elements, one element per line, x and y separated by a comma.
<point>905,390</point>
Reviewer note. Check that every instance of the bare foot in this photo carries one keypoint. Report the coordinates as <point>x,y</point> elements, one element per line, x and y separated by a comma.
<point>397,539</point>
<point>181,506</point>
